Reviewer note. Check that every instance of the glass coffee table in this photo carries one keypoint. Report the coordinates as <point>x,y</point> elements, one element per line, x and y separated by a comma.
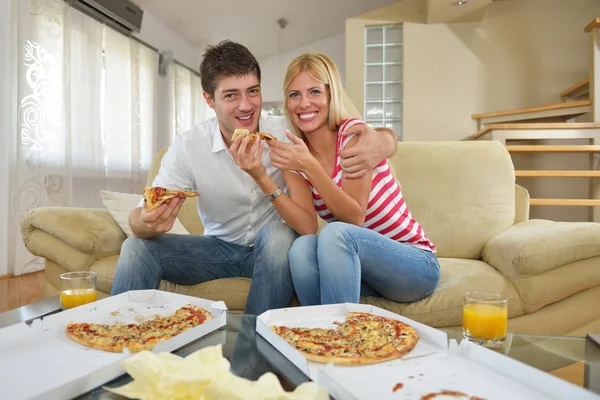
<point>575,359</point>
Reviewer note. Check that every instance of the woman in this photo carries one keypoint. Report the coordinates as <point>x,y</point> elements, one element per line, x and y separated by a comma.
<point>371,246</point>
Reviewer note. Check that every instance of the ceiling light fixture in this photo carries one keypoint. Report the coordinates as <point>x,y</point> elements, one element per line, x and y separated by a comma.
<point>461,2</point>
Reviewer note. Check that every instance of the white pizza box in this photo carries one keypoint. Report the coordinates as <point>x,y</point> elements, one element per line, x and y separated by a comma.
<point>41,362</point>
<point>431,342</point>
<point>435,364</point>
<point>470,369</point>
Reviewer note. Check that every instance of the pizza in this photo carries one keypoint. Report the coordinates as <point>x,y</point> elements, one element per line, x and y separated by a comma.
<point>137,337</point>
<point>361,338</point>
<point>252,136</point>
<point>155,196</point>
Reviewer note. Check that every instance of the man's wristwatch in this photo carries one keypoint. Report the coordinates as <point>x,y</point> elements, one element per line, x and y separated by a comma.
<point>275,194</point>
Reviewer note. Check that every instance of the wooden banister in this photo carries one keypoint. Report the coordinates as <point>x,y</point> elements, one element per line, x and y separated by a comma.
<point>592,25</point>
<point>582,83</point>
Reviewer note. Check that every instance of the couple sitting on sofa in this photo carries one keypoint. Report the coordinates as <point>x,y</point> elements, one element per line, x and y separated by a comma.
<point>334,164</point>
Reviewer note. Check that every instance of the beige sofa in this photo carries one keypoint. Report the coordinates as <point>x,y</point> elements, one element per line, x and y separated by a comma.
<point>464,195</point>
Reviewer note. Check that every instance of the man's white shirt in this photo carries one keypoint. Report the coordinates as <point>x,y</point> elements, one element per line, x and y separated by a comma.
<point>231,205</point>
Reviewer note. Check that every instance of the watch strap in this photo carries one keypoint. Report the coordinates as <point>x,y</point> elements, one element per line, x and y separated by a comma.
<point>275,194</point>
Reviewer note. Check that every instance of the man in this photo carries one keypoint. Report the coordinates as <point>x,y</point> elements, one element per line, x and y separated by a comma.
<point>243,233</point>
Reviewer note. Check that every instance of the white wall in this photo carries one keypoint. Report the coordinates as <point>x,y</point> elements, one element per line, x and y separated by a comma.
<point>522,54</point>
<point>6,127</point>
<point>273,72</point>
<point>160,36</point>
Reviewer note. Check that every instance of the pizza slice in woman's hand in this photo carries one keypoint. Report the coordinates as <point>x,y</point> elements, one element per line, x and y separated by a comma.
<point>155,196</point>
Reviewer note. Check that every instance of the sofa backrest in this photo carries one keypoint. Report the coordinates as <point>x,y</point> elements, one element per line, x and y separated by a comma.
<point>462,193</point>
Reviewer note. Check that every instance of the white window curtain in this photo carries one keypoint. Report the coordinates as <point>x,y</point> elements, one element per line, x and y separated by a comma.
<point>86,114</point>
<point>189,107</point>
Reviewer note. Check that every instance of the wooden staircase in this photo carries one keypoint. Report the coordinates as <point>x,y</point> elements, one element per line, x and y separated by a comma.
<point>554,129</point>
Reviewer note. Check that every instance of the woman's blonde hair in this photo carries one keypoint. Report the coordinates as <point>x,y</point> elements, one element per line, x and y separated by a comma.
<point>324,70</point>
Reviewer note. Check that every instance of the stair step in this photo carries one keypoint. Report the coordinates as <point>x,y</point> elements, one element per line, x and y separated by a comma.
<point>579,89</point>
<point>564,110</point>
<point>536,126</point>
<point>557,174</point>
<point>547,107</point>
<point>565,202</point>
<point>553,149</point>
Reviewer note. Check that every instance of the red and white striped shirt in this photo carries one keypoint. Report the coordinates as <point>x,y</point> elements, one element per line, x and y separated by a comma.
<point>387,213</point>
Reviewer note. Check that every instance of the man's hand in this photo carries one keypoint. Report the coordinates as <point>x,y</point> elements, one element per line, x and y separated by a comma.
<point>161,220</point>
<point>248,157</point>
<point>372,148</point>
<point>291,156</point>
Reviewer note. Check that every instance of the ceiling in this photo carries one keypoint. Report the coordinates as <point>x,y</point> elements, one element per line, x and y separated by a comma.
<point>254,23</point>
<point>445,11</point>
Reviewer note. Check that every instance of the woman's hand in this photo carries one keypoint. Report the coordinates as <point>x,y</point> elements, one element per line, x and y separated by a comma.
<point>291,156</point>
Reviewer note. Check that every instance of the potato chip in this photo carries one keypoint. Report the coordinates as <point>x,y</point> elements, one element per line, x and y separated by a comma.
<point>203,375</point>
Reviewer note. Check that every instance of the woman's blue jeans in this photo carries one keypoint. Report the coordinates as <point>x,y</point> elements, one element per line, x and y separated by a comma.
<point>345,262</point>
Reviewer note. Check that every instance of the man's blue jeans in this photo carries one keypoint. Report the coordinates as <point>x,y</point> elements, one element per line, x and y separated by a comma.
<point>192,259</point>
<point>346,261</point>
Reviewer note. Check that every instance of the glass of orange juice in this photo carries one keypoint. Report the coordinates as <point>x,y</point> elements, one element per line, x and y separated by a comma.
<point>77,288</point>
<point>485,318</point>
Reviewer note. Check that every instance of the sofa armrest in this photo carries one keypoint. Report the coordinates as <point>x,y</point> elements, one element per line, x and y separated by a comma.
<point>536,246</point>
<point>72,237</point>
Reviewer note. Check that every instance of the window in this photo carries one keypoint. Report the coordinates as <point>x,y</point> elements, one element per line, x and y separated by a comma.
<point>188,105</point>
<point>86,94</point>
<point>383,77</point>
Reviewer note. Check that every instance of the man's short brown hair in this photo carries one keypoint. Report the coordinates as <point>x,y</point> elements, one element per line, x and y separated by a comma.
<point>223,60</point>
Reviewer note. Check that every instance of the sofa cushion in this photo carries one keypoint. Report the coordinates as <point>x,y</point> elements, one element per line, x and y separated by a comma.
<point>444,306</point>
<point>536,246</point>
<point>462,193</point>
<point>105,269</point>
<point>233,291</point>
<point>552,286</point>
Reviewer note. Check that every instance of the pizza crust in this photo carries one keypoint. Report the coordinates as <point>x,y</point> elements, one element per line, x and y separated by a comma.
<point>359,360</point>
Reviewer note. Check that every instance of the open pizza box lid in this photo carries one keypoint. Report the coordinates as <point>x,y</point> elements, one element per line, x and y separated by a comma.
<point>434,365</point>
<point>41,362</point>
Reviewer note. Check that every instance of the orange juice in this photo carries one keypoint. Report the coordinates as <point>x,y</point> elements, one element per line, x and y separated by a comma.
<point>485,321</point>
<point>76,297</point>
